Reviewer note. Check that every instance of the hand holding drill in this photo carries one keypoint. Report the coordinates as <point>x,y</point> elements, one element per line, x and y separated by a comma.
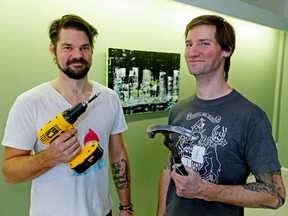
<point>60,134</point>
<point>64,148</point>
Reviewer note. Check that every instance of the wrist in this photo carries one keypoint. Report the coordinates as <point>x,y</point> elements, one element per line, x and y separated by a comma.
<point>128,208</point>
<point>205,190</point>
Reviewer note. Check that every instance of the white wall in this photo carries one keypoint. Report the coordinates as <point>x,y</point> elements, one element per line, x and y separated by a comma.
<point>283,104</point>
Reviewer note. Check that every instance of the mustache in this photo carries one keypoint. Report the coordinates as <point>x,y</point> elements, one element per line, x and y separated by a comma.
<point>77,60</point>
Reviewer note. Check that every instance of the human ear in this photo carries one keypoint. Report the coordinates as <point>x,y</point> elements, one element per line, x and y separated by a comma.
<point>52,50</point>
<point>227,53</point>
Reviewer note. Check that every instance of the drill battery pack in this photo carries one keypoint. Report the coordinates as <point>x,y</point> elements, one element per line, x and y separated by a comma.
<point>88,156</point>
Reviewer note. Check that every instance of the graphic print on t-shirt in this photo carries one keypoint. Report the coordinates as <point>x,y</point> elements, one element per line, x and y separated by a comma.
<point>200,151</point>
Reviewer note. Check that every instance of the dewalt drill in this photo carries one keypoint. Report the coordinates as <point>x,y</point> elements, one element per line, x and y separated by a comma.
<point>64,121</point>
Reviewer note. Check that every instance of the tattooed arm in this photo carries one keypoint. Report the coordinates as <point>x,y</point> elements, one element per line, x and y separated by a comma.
<point>120,169</point>
<point>269,183</point>
<point>163,187</point>
<point>267,192</point>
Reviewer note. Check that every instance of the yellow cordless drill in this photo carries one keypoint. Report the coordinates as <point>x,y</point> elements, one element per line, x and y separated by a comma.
<point>64,121</point>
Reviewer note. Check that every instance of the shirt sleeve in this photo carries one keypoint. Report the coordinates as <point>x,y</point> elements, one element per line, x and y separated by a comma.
<point>20,131</point>
<point>261,151</point>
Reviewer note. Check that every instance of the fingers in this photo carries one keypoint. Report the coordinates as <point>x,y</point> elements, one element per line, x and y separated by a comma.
<point>187,186</point>
<point>66,136</point>
<point>189,170</point>
<point>73,150</point>
<point>66,146</point>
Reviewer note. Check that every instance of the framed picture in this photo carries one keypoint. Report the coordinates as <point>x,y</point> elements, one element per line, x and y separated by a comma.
<point>145,81</point>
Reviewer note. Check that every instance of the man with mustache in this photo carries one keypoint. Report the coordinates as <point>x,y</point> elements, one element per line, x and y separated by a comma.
<point>57,189</point>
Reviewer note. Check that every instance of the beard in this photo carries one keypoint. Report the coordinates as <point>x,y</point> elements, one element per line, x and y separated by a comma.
<point>75,73</point>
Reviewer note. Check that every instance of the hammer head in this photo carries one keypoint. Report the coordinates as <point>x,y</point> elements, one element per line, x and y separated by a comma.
<point>166,129</point>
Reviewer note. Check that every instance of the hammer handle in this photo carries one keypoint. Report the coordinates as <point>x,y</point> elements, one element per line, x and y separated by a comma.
<point>180,169</point>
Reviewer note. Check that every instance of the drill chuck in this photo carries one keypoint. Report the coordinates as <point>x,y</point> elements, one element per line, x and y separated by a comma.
<point>71,115</point>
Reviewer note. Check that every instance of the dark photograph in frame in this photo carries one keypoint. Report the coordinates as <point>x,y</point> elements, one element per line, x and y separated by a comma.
<point>145,81</point>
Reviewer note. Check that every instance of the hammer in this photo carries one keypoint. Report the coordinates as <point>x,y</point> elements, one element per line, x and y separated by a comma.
<point>166,130</point>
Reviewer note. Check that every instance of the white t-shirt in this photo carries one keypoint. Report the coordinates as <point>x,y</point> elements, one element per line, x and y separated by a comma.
<point>61,191</point>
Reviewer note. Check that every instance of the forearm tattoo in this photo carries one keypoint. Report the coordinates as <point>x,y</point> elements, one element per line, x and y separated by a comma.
<point>266,183</point>
<point>169,162</point>
<point>120,173</point>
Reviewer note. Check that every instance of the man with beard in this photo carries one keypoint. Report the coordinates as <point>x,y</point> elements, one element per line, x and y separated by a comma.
<point>57,189</point>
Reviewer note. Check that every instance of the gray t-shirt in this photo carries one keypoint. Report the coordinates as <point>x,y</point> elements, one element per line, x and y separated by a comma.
<point>231,138</point>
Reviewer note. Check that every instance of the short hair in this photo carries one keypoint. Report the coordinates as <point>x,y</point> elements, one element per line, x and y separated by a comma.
<point>225,34</point>
<point>71,21</point>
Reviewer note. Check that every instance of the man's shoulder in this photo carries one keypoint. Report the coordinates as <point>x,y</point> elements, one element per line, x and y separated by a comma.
<point>36,90</point>
<point>32,94</point>
<point>246,103</point>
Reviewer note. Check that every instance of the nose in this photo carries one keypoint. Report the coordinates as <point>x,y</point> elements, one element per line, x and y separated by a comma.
<point>77,53</point>
<point>193,51</point>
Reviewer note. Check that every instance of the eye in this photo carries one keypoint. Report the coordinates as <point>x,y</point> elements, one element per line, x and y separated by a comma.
<point>188,45</point>
<point>203,44</point>
<point>85,48</point>
<point>67,47</point>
